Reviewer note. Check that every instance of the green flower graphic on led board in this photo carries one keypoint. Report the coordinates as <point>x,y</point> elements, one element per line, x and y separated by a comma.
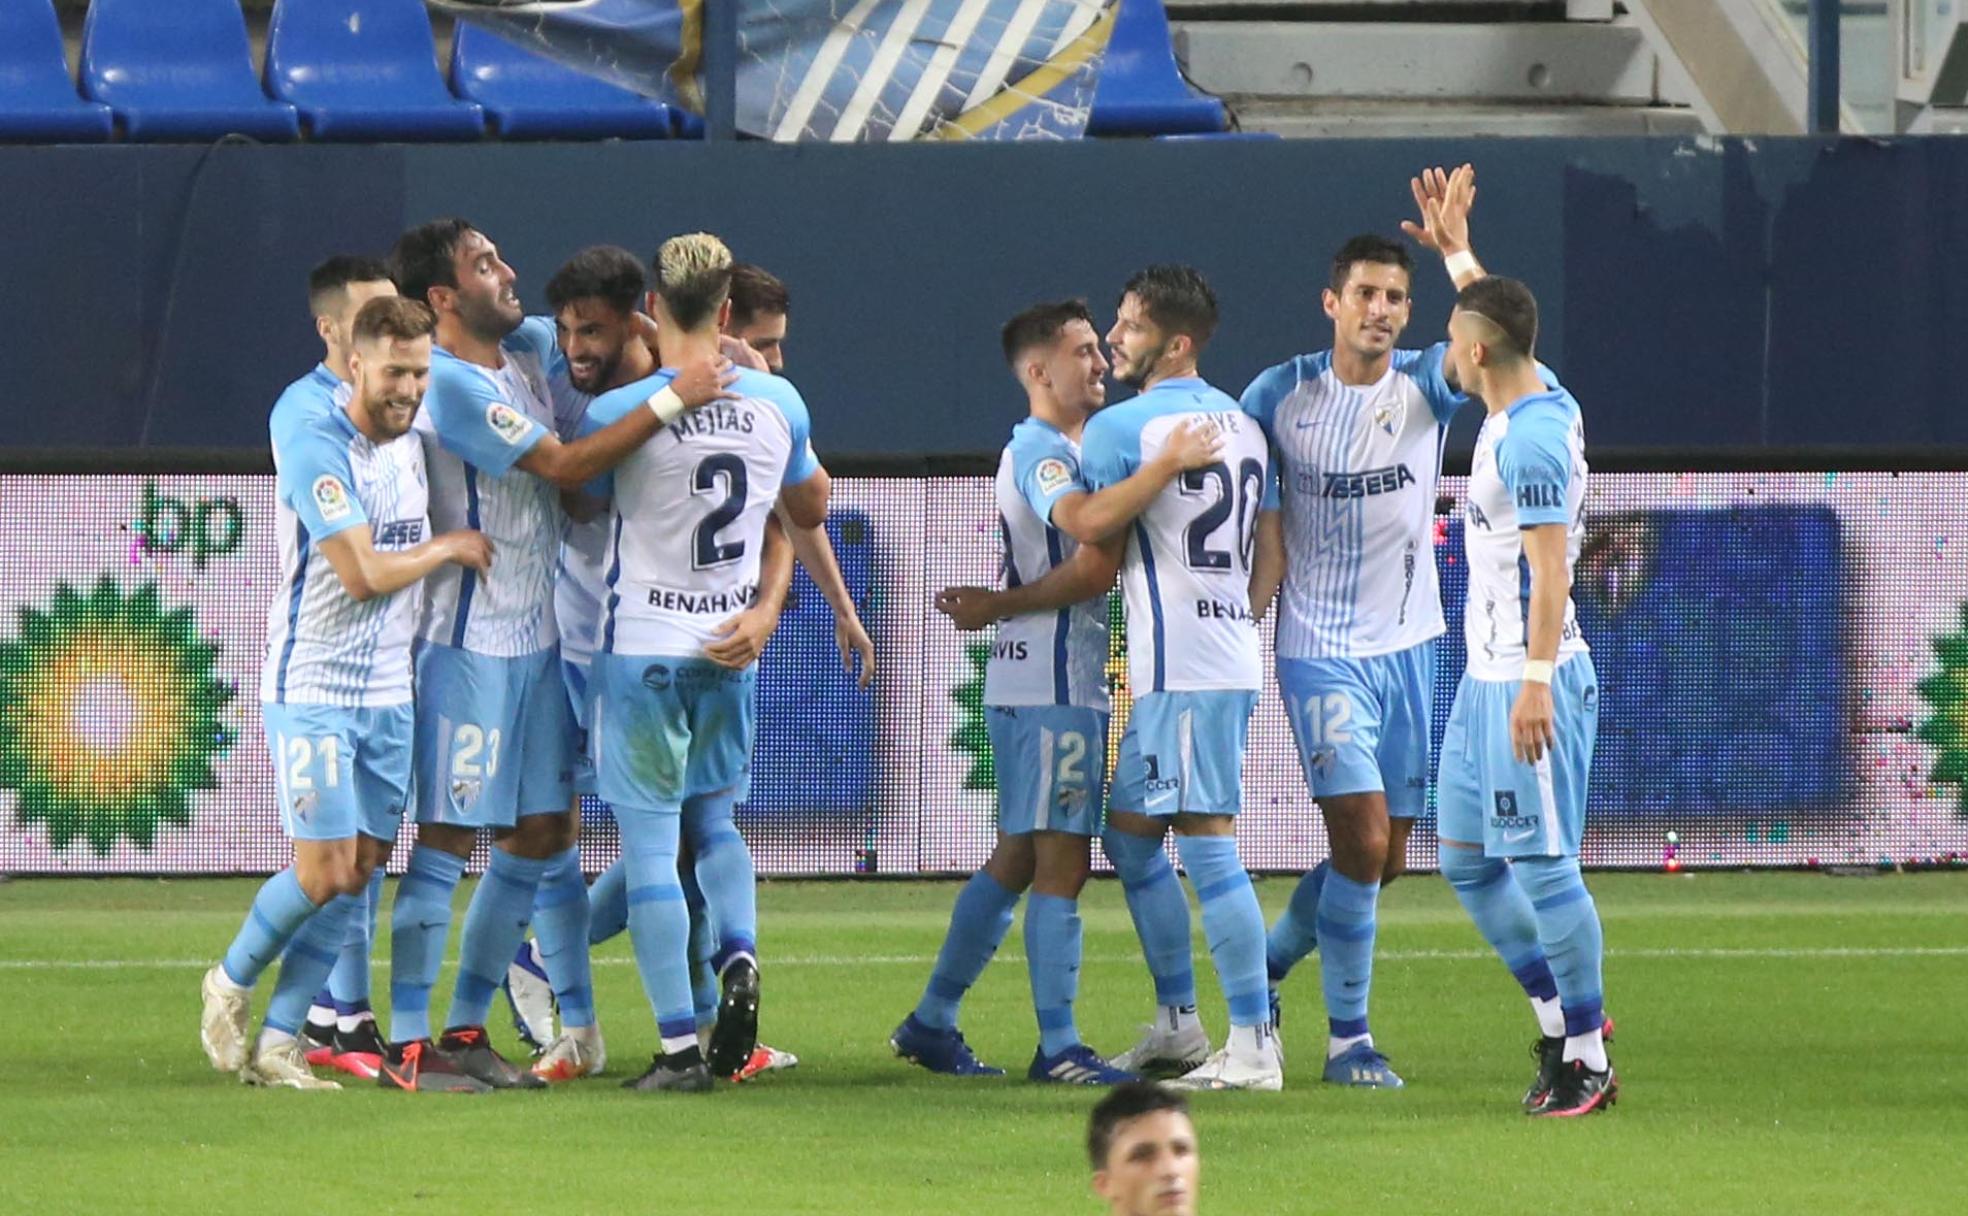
<point>1946,693</point>
<point>109,715</point>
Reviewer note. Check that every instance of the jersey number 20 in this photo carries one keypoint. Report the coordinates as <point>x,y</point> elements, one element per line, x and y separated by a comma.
<point>1244,496</point>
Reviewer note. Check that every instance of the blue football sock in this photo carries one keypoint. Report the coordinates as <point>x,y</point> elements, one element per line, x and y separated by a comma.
<point>1160,912</point>
<point>1233,924</point>
<point>1346,943</point>
<point>419,924</point>
<point>279,909</point>
<point>658,922</point>
<point>495,924</point>
<point>1297,932</point>
<point>1568,928</point>
<point>311,955</point>
<point>348,983</point>
<point>1502,912</point>
<point>978,924</point>
<point>560,923</point>
<point>1052,954</point>
<point>724,874</point>
<point>703,945</point>
<point>608,903</point>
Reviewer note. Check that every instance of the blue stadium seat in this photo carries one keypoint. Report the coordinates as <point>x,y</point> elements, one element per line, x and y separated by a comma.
<point>178,71</point>
<point>528,96</point>
<point>38,101</point>
<point>1140,91</point>
<point>364,70</point>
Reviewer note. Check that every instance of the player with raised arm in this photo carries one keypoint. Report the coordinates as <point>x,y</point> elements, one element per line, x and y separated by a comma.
<point>494,723</point>
<point>673,729</point>
<point>335,689</point>
<point>1045,704</point>
<point>1518,750</point>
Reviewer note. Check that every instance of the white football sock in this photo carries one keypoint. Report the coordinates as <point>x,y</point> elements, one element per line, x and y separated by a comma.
<point>1336,1047</point>
<point>1550,1016</point>
<point>1590,1047</point>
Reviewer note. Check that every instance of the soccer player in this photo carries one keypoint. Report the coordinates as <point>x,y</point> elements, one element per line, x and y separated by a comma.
<point>335,687</point>
<point>1045,698</point>
<point>1518,749</point>
<point>493,719</point>
<point>1357,431</point>
<point>673,728</point>
<point>1143,1150</point>
<point>759,307</point>
<point>1198,567</point>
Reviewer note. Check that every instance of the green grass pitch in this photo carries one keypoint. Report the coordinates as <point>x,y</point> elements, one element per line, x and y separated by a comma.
<point>1787,1043</point>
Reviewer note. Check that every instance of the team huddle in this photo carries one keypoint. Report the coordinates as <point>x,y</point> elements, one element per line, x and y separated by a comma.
<point>527,559</point>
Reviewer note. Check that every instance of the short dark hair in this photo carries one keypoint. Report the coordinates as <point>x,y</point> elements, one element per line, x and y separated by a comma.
<point>1509,305</point>
<point>336,273</point>
<point>1128,1100</point>
<point>1041,325</point>
<point>756,292</point>
<point>1369,247</point>
<point>423,257</point>
<point>1177,299</point>
<point>599,272</point>
<point>395,317</point>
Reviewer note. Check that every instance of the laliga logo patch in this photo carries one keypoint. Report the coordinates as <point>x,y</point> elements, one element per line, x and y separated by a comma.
<point>465,791</point>
<point>506,422</point>
<point>1053,475</point>
<point>330,497</point>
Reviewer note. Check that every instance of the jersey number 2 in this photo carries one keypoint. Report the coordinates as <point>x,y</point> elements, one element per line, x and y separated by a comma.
<point>728,468</point>
<point>1244,497</point>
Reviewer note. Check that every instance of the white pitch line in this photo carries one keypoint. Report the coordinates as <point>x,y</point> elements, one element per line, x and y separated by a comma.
<point>918,960</point>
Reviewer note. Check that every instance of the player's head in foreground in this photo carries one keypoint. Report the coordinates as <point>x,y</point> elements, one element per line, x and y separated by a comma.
<point>759,307</point>
<point>1493,341</point>
<point>692,291</point>
<point>389,365</point>
<point>456,269</point>
<point>1166,316</point>
<point>1143,1151</point>
<point>594,299</point>
<point>1367,296</point>
<point>1054,351</point>
<point>336,290</point>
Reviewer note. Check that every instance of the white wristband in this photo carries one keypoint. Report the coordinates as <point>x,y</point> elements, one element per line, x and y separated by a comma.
<point>666,405</point>
<point>1538,671</point>
<point>1461,263</point>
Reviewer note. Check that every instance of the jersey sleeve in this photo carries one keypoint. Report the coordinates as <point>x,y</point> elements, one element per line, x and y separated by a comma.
<point>1535,461</point>
<point>801,463</point>
<point>1425,368</point>
<point>536,335</point>
<point>1261,398</point>
<point>1273,497</point>
<point>1110,451</point>
<point>316,480</point>
<point>474,424</point>
<point>1046,473</point>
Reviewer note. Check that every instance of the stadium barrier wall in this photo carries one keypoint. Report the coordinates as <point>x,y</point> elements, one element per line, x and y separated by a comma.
<point>1783,659</point>
<point>1695,292</point>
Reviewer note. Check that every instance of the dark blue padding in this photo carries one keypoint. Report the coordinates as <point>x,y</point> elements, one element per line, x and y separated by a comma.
<point>1140,92</point>
<point>1218,135</point>
<point>178,71</point>
<point>38,101</point>
<point>364,70</point>
<point>528,96</point>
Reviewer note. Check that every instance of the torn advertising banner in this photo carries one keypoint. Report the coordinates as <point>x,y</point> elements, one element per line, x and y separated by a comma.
<point>842,70</point>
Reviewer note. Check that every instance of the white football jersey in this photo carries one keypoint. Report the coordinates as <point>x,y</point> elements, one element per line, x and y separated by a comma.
<point>1358,469</point>
<point>476,423</point>
<point>690,508</point>
<point>1043,658</point>
<point>1529,468</point>
<point>324,647</point>
<point>1186,575</point>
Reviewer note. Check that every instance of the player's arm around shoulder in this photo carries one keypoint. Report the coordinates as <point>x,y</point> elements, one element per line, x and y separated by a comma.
<point>625,428</point>
<point>1096,516</point>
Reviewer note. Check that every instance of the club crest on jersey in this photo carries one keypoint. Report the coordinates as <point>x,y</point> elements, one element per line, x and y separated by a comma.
<point>1052,475</point>
<point>1384,418</point>
<point>506,422</point>
<point>331,497</point>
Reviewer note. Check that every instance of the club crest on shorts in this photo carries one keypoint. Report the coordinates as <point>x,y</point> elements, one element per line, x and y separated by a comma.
<point>331,497</point>
<point>1323,757</point>
<point>506,422</point>
<point>465,791</point>
<point>1052,475</point>
<point>304,804</point>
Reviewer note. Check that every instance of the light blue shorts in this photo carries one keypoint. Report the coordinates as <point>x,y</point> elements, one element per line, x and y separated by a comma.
<point>666,728</point>
<point>580,697</point>
<point>493,737</point>
<point>1512,809</point>
<point>1051,763</point>
<point>1184,752</point>
<point>1363,725</point>
<point>339,771</point>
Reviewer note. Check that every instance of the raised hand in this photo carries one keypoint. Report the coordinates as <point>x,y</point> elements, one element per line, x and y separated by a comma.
<point>1443,199</point>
